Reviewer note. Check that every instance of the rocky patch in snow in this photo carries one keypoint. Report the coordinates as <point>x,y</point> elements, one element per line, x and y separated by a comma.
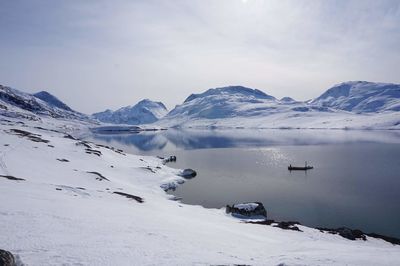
<point>6,258</point>
<point>99,177</point>
<point>251,209</point>
<point>169,159</point>
<point>354,234</point>
<point>130,196</point>
<point>28,135</point>
<point>9,177</point>
<point>188,173</point>
<point>283,225</point>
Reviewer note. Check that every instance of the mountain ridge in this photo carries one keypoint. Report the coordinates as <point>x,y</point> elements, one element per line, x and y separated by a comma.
<point>233,106</point>
<point>361,96</point>
<point>24,105</point>
<point>144,112</point>
<point>245,107</point>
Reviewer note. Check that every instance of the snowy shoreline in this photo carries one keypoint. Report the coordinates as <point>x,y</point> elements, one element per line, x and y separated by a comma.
<point>65,212</point>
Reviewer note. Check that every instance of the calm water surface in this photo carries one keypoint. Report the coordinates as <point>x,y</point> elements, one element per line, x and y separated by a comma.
<point>355,183</point>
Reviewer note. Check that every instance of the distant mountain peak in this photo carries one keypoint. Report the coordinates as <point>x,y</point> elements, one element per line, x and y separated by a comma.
<point>42,103</point>
<point>361,96</point>
<point>52,100</point>
<point>144,112</point>
<point>231,90</point>
<point>149,102</point>
<point>287,99</point>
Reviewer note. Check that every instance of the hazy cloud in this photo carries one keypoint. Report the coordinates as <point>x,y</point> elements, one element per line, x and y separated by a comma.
<point>106,54</point>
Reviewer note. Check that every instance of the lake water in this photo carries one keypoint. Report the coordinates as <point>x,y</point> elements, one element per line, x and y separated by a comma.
<point>355,182</point>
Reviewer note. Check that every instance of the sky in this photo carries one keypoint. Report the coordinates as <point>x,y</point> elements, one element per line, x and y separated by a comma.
<point>97,55</point>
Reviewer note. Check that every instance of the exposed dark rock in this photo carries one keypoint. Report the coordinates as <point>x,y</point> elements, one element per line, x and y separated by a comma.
<point>129,196</point>
<point>95,152</point>
<point>247,209</point>
<point>68,136</point>
<point>393,240</point>
<point>63,160</point>
<point>31,136</point>
<point>100,176</point>
<point>12,177</point>
<point>283,225</point>
<point>51,146</point>
<point>149,168</point>
<point>83,143</point>
<point>358,234</point>
<point>23,132</point>
<point>188,173</point>
<point>47,129</point>
<point>119,151</point>
<point>6,258</point>
<point>103,146</point>
<point>288,226</point>
<point>171,158</point>
<point>346,233</point>
<point>58,189</point>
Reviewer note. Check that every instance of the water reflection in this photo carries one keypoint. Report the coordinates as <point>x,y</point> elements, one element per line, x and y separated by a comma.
<point>355,181</point>
<point>172,139</point>
<point>142,141</point>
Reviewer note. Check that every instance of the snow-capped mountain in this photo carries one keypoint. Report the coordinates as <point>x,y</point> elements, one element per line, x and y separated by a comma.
<point>361,97</point>
<point>15,103</point>
<point>144,112</point>
<point>288,100</point>
<point>235,101</point>
<point>224,102</point>
<point>348,105</point>
<point>52,100</point>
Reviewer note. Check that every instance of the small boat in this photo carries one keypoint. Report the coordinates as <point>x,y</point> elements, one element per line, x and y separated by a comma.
<point>301,168</point>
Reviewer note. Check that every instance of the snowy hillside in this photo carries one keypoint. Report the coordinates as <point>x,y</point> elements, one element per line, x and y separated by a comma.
<point>361,97</point>
<point>229,102</point>
<point>15,103</point>
<point>375,106</point>
<point>79,203</point>
<point>52,100</point>
<point>144,112</point>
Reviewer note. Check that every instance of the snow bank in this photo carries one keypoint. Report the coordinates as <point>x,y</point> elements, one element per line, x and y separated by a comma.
<point>62,213</point>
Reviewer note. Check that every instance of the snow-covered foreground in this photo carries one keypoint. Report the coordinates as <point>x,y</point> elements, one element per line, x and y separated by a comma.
<point>62,214</point>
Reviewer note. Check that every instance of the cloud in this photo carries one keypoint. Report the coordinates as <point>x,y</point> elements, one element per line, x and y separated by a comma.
<point>116,53</point>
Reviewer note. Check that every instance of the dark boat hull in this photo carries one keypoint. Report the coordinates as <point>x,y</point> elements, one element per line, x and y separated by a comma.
<point>297,168</point>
